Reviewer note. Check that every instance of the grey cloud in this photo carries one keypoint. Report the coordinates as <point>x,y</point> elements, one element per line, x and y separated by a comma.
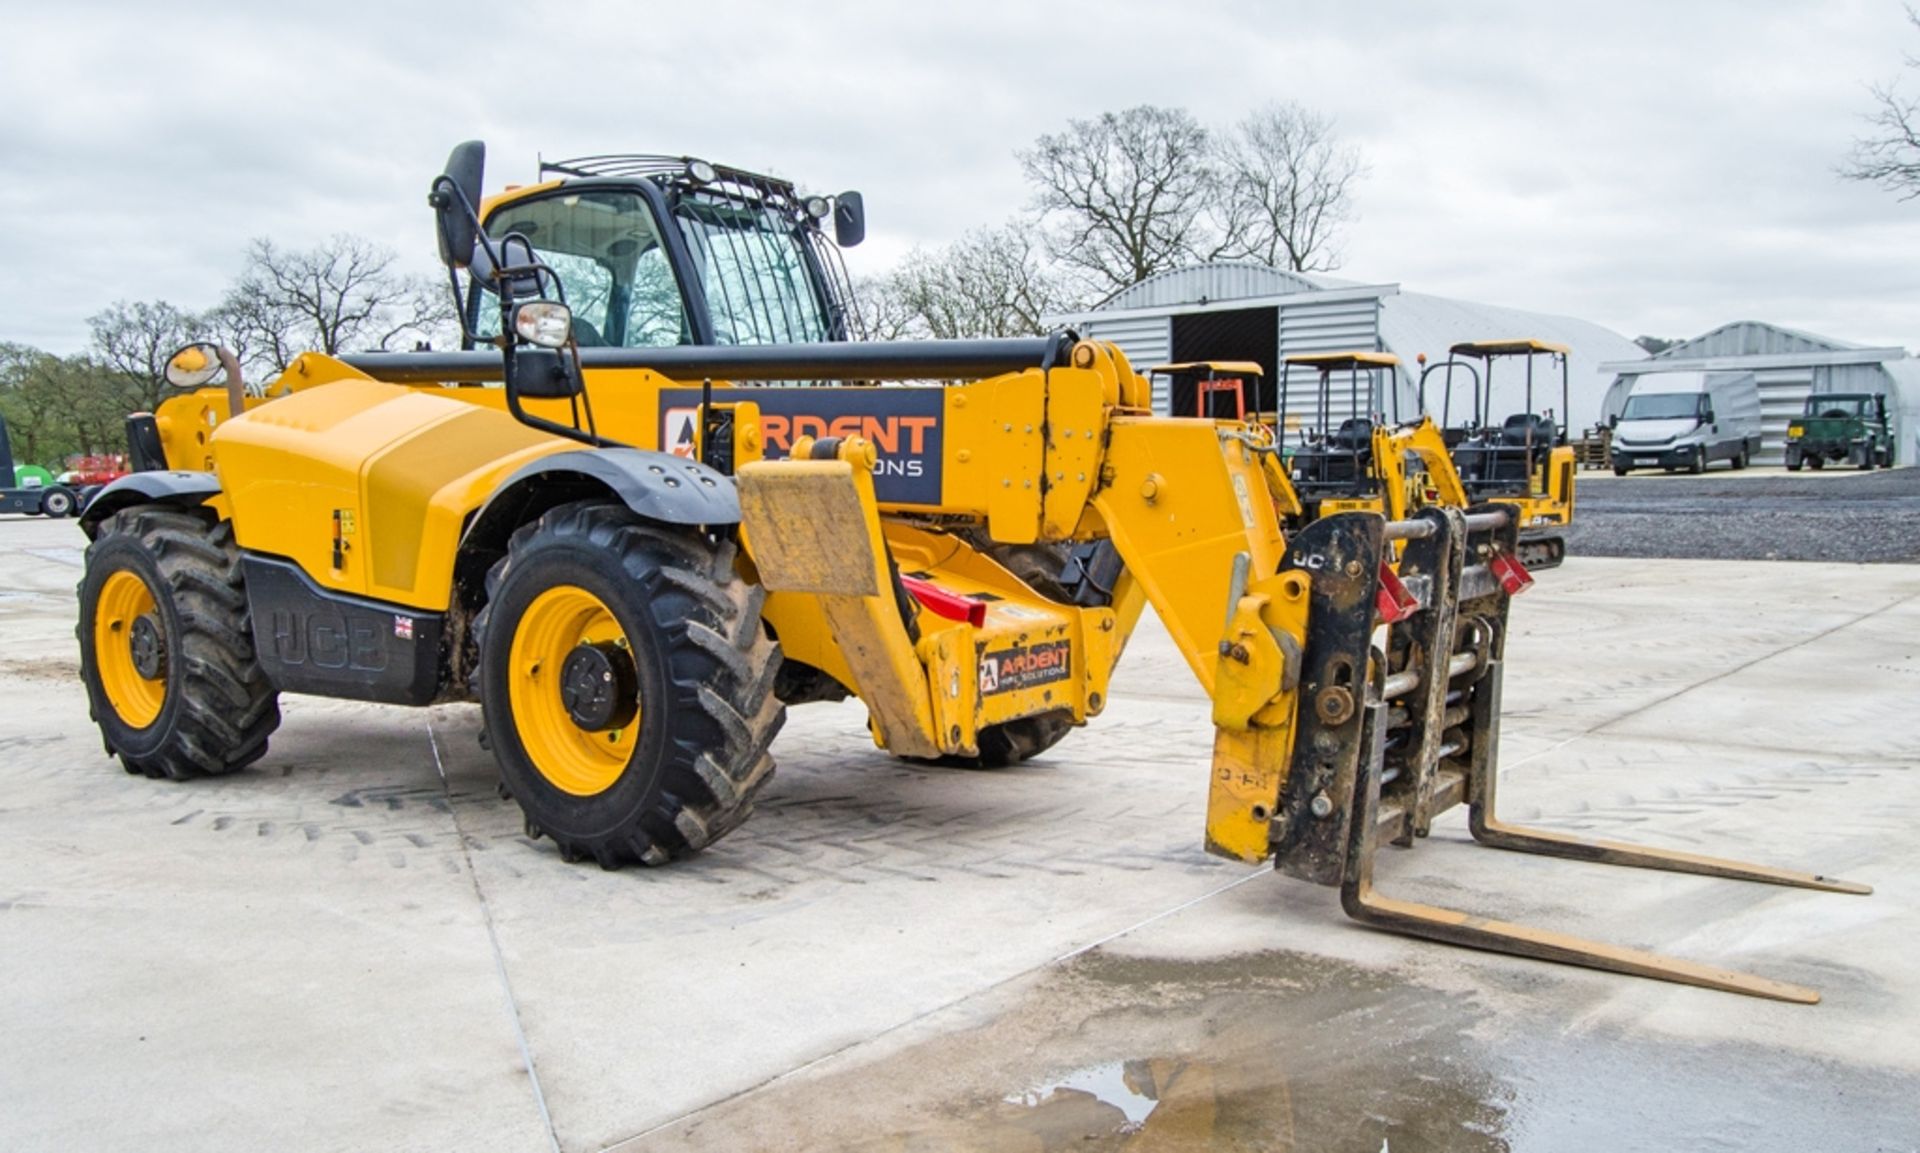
<point>1653,167</point>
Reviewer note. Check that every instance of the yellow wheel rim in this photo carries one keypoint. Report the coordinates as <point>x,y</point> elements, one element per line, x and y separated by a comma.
<point>124,600</point>
<point>572,759</point>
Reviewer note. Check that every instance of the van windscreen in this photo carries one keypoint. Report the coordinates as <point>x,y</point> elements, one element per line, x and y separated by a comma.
<point>1662,406</point>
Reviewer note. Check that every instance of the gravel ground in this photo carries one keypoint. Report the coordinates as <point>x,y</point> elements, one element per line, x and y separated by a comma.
<point>1869,517</point>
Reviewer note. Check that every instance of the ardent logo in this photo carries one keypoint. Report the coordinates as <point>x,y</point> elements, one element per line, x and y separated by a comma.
<point>1024,668</point>
<point>888,433</point>
<point>904,424</point>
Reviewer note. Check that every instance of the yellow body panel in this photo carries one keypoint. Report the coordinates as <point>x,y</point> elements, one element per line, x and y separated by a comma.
<point>388,473</point>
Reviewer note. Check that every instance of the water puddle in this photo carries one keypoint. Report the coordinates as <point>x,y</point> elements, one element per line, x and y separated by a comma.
<point>1281,1052</point>
<point>1126,1088</point>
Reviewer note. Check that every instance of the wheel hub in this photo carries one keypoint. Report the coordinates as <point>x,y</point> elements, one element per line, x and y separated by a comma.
<point>599,687</point>
<point>148,647</point>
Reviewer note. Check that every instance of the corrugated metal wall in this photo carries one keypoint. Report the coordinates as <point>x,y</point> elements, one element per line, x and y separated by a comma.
<point>1329,326</point>
<point>1783,395</point>
<point>1752,338</point>
<point>1147,341</point>
<point>1181,289</point>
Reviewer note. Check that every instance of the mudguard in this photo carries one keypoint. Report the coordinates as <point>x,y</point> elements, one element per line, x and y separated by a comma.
<point>181,489</point>
<point>658,486</point>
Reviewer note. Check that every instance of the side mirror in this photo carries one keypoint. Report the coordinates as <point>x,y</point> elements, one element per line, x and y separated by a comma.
<point>545,323</point>
<point>849,219</point>
<point>193,366</point>
<point>198,363</point>
<point>1613,421</point>
<point>455,198</point>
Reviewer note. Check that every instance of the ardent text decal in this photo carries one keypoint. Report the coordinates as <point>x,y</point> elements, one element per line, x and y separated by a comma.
<point>1023,668</point>
<point>902,422</point>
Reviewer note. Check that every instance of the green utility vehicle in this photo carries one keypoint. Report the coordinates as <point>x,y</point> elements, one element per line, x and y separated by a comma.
<point>1843,427</point>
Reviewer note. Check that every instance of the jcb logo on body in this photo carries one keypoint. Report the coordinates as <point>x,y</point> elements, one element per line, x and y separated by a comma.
<point>328,640</point>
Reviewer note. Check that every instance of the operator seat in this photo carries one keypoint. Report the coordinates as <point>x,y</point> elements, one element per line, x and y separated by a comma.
<point>586,335</point>
<point>1525,438</point>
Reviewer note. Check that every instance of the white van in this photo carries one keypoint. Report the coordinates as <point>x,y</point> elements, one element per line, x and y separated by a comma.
<point>1687,420</point>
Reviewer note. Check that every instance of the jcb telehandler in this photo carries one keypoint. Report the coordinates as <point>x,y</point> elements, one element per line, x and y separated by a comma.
<point>634,622</point>
<point>1525,462</point>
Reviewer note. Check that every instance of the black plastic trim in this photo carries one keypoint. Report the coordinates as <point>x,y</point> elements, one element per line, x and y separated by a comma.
<point>143,443</point>
<point>184,489</point>
<point>314,640</point>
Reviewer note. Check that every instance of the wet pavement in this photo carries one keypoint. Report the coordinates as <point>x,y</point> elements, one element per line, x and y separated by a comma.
<point>1284,1051</point>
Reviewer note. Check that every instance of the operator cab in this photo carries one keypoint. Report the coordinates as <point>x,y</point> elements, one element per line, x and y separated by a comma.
<point>1498,459</point>
<point>655,251</point>
<point>1333,450</point>
<point>1215,389</point>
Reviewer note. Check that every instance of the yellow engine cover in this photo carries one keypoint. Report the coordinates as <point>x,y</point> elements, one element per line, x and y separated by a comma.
<point>367,486</point>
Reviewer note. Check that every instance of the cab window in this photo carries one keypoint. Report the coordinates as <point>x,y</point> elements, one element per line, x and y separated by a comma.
<point>605,248</point>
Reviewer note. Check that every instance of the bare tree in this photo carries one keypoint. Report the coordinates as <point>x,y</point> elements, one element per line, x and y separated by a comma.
<point>1890,157</point>
<point>1289,188</point>
<point>134,341</point>
<point>342,296</point>
<point>1125,194</point>
<point>990,283</point>
<point>884,315</point>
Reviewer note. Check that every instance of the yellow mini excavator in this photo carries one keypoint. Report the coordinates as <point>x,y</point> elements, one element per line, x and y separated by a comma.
<point>1525,462</point>
<point>635,552</point>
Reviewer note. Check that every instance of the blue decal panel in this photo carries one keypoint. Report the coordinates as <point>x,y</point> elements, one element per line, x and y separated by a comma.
<point>902,423</point>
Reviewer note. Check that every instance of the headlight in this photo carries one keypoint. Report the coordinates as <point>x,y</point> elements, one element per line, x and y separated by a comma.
<point>1796,430</point>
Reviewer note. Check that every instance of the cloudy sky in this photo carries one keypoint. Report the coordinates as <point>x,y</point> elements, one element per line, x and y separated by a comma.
<point>1656,167</point>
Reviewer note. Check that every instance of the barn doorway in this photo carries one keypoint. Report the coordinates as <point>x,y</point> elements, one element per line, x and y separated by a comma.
<point>1235,334</point>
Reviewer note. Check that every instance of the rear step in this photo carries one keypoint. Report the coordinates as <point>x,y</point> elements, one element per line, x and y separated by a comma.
<point>1418,744</point>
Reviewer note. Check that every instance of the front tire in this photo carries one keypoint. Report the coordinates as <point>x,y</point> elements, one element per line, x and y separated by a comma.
<point>166,646</point>
<point>1698,464</point>
<point>668,756</point>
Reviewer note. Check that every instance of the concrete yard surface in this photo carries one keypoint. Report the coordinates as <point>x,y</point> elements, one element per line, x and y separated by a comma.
<point>353,945</point>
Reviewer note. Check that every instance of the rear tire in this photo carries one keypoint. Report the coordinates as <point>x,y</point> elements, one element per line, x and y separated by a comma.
<point>683,767</point>
<point>57,503</point>
<point>1816,462</point>
<point>1866,458</point>
<point>166,646</point>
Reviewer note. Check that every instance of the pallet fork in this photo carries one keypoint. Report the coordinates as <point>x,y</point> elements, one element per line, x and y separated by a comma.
<point>1380,756</point>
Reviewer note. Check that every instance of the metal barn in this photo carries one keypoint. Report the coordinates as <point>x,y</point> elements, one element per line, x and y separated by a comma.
<point>1787,365</point>
<point>1231,311</point>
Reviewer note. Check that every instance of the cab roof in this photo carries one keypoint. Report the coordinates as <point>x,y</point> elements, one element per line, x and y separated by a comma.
<point>1524,346</point>
<point>1222,367</point>
<point>1334,361</point>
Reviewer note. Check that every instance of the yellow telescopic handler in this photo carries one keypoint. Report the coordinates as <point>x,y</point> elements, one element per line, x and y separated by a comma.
<point>636,555</point>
